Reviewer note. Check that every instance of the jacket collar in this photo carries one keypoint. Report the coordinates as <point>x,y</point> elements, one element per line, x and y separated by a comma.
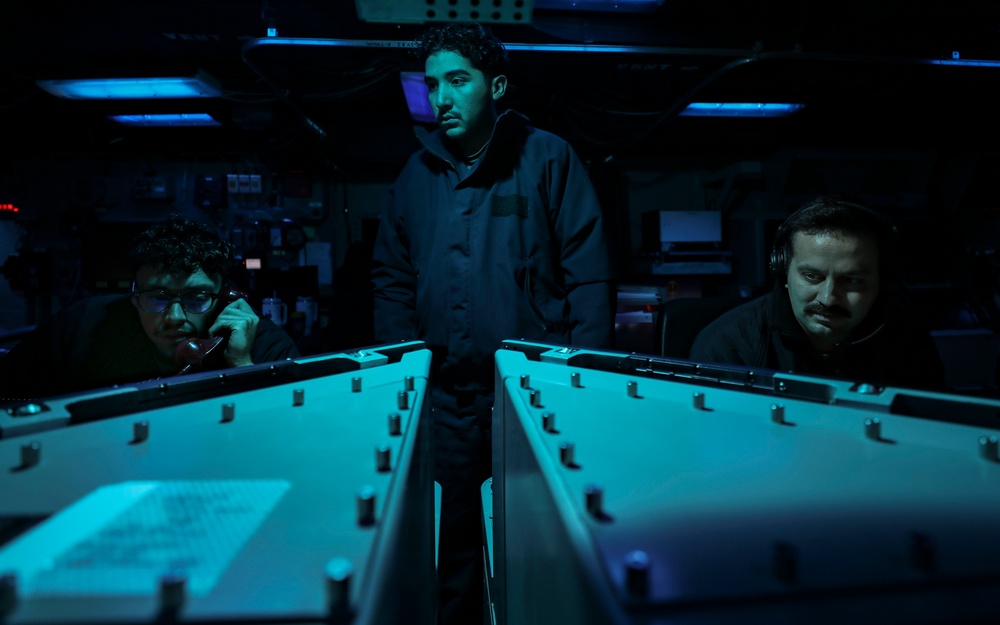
<point>505,130</point>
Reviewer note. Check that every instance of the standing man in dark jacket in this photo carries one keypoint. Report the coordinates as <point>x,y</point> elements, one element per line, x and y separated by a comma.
<point>835,308</point>
<point>492,231</point>
<point>180,293</point>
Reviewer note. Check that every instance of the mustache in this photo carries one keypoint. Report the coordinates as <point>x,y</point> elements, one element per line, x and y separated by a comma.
<point>817,308</point>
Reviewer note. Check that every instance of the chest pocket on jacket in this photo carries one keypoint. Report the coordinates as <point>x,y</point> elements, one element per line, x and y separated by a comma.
<point>508,205</point>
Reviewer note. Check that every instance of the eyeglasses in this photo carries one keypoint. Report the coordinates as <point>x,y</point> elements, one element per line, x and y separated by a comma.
<point>157,301</point>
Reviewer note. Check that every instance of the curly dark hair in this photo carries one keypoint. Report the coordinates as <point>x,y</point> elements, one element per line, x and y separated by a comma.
<point>182,245</point>
<point>470,39</point>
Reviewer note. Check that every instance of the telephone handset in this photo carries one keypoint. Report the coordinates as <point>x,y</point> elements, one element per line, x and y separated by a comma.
<point>195,351</point>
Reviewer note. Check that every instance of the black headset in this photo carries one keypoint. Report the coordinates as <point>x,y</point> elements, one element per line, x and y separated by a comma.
<point>861,217</point>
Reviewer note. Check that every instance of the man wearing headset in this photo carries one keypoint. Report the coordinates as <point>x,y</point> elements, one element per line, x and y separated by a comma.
<point>835,309</point>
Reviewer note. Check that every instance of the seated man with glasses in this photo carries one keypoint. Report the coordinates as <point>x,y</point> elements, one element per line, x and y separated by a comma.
<point>180,298</point>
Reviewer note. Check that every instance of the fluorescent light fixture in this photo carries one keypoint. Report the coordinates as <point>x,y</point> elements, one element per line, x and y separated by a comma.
<point>604,6</point>
<point>966,62</point>
<point>739,109</point>
<point>198,86</point>
<point>416,97</point>
<point>166,119</point>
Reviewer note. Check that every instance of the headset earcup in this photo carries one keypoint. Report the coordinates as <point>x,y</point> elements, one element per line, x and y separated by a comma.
<point>777,264</point>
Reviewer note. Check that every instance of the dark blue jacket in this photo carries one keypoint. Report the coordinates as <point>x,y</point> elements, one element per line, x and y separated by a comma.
<point>513,248</point>
<point>889,348</point>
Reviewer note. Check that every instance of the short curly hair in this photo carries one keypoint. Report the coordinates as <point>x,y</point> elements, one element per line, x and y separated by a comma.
<point>470,39</point>
<point>182,245</point>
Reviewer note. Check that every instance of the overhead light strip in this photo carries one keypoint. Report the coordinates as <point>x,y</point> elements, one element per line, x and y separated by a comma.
<point>198,86</point>
<point>966,62</point>
<point>393,44</point>
<point>739,109</point>
<point>166,120</point>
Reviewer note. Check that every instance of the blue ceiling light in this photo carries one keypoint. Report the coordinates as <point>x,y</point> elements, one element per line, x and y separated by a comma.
<point>166,119</point>
<point>957,60</point>
<point>965,62</point>
<point>200,85</point>
<point>739,109</point>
